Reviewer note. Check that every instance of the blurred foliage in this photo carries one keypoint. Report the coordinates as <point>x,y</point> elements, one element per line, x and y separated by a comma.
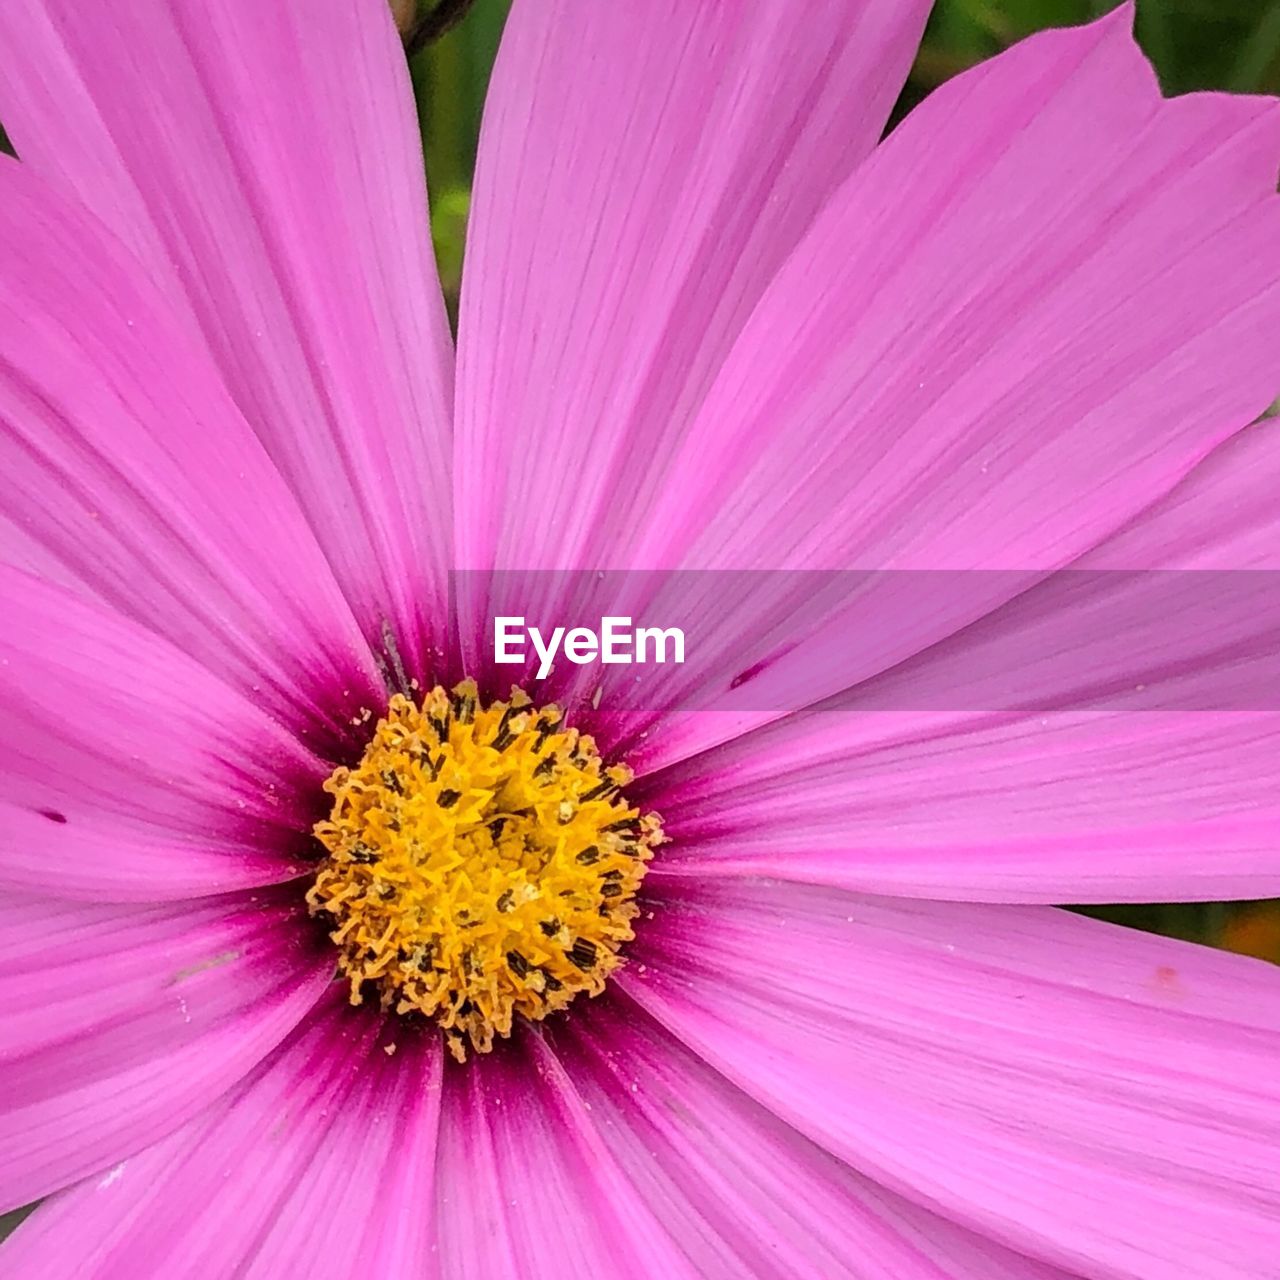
<point>1195,44</point>
<point>1250,928</point>
<point>450,77</point>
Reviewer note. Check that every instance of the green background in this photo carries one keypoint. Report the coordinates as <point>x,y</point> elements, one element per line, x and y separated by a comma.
<point>1195,44</point>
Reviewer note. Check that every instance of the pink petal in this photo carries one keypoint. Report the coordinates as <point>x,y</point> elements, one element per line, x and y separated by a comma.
<point>1222,517</point>
<point>122,1022</point>
<point>644,169</point>
<point>525,1187</point>
<point>1107,736</point>
<point>132,773</point>
<point>741,1192</point>
<point>909,394</point>
<point>1100,806</point>
<point>265,164</point>
<point>1100,1099</point>
<point>130,474</point>
<point>319,1162</point>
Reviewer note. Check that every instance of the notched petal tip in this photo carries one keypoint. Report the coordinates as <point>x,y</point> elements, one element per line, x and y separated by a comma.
<point>1217,113</point>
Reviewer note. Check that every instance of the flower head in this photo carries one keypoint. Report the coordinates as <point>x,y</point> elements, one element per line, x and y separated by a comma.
<point>327,953</point>
<point>482,863</point>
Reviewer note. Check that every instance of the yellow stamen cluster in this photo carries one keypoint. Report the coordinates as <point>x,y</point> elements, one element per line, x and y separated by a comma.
<point>482,863</point>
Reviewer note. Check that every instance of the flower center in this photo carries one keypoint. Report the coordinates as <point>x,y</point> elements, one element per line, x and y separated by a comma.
<point>482,862</point>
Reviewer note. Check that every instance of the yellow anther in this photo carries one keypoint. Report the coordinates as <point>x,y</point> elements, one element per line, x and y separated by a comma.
<point>482,862</point>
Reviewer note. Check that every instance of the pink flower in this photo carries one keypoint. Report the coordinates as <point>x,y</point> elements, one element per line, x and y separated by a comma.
<point>703,326</point>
